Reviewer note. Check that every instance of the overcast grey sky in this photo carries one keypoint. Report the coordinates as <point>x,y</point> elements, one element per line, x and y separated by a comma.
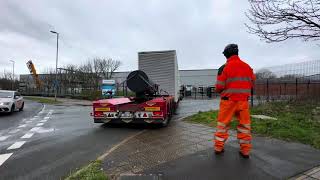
<point>198,30</point>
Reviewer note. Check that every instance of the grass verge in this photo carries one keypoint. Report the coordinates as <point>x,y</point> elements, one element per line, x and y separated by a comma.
<point>93,171</point>
<point>296,121</point>
<point>43,100</point>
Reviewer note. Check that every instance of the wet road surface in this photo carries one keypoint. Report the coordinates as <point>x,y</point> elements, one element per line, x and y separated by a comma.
<point>53,142</point>
<point>185,151</point>
<point>10,120</point>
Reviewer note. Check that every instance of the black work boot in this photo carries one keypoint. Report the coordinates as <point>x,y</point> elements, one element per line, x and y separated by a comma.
<point>245,156</point>
<point>219,152</point>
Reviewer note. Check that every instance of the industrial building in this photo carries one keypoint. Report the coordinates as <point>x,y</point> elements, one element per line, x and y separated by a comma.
<point>195,77</point>
<point>191,79</point>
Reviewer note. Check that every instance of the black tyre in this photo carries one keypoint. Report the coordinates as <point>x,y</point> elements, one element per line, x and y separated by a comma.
<point>12,109</point>
<point>21,109</point>
<point>166,122</point>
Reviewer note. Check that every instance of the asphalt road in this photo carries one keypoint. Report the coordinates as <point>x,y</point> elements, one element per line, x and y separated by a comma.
<point>53,142</point>
<point>11,120</point>
<point>270,159</point>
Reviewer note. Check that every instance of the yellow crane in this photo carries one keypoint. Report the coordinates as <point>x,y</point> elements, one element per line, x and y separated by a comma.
<point>34,74</point>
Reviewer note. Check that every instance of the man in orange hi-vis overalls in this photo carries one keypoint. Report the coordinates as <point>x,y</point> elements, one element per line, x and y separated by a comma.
<point>234,82</point>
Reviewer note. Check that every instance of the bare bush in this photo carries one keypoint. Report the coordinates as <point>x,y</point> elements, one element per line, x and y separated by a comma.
<point>265,74</point>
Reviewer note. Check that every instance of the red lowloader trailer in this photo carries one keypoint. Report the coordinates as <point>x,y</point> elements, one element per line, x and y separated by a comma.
<point>148,105</point>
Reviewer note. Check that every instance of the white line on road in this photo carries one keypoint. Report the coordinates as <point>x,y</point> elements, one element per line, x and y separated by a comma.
<point>4,157</point>
<point>40,124</point>
<point>43,121</point>
<point>35,116</point>
<point>35,129</point>
<point>2,138</point>
<point>14,131</point>
<point>22,126</point>
<point>46,118</point>
<point>28,135</point>
<point>28,122</point>
<point>16,145</point>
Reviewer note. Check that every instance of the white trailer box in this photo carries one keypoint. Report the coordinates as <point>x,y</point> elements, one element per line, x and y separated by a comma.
<point>162,68</point>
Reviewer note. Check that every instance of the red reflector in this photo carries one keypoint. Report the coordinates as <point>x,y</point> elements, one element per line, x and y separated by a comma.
<point>157,113</point>
<point>98,113</point>
<point>145,115</point>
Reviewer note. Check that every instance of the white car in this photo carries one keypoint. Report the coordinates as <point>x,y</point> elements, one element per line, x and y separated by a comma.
<point>10,101</point>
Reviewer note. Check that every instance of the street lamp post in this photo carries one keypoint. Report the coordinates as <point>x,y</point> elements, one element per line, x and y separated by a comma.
<point>12,85</point>
<point>56,81</point>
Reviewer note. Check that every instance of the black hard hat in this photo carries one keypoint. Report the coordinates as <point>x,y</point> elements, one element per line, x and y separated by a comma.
<point>230,50</point>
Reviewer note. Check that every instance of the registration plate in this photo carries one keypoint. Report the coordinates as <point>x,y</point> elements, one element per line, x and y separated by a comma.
<point>126,115</point>
<point>102,109</point>
<point>152,108</point>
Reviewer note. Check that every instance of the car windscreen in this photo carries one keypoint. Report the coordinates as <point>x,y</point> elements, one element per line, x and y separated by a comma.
<point>5,94</point>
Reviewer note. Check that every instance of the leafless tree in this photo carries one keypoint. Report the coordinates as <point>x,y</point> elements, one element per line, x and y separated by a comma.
<point>291,76</point>
<point>279,20</point>
<point>48,80</point>
<point>105,67</point>
<point>265,74</point>
<point>86,75</point>
<point>6,80</point>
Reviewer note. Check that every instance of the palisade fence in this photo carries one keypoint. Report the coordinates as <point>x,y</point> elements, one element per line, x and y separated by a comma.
<point>198,92</point>
<point>296,81</point>
<point>303,88</point>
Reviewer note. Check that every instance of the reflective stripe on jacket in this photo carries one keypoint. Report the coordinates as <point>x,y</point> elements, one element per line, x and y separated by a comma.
<point>235,79</point>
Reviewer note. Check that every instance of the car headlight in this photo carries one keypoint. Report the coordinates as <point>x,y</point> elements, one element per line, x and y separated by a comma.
<point>5,103</point>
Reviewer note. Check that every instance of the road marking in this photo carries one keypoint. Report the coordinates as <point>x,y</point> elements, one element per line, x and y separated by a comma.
<point>118,145</point>
<point>4,157</point>
<point>28,135</point>
<point>28,122</point>
<point>35,129</point>
<point>14,131</point>
<point>36,116</point>
<point>32,119</point>
<point>40,124</point>
<point>16,145</point>
<point>2,138</point>
<point>22,126</point>
<point>43,121</point>
<point>46,118</point>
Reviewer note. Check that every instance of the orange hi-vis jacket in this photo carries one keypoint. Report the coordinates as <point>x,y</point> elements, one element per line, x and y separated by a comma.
<point>235,79</point>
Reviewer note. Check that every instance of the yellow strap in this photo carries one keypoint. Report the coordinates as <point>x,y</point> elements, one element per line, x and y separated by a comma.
<point>221,130</point>
<point>243,130</point>
<point>219,139</point>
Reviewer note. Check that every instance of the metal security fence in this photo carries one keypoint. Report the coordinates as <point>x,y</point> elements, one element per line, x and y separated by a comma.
<point>304,88</point>
<point>198,92</point>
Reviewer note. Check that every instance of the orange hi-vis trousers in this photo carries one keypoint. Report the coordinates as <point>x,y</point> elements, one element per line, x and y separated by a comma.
<point>228,109</point>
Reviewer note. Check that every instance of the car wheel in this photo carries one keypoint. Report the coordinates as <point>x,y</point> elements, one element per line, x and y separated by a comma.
<point>21,109</point>
<point>12,109</point>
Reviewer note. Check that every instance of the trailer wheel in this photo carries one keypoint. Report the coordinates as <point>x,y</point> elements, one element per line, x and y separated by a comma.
<point>166,122</point>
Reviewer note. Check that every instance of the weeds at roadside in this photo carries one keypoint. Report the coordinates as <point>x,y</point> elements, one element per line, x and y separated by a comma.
<point>296,121</point>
